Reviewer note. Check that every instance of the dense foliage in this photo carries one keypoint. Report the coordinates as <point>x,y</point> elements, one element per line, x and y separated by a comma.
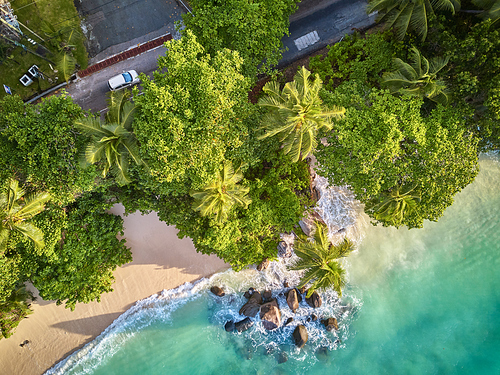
<point>252,28</point>
<point>191,115</point>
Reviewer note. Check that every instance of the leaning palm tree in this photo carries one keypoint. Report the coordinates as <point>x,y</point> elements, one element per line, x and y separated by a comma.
<point>418,77</point>
<point>14,309</point>
<point>112,141</point>
<point>296,113</point>
<point>391,206</point>
<point>218,197</point>
<point>404,15</point>
<point>16,211</point>
<point>320,260</point>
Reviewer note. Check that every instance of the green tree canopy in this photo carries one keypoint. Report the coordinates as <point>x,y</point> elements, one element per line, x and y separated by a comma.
<point>40,144</point>
<point>252,28</point>
<point>296,114</point>
<point>319,259</point>
<point>191,116</point>
<point>384,142</point>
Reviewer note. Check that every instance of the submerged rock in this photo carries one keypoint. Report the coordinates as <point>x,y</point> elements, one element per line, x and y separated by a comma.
<point>282,357</point>
<point>330,324</point>
<point>322,353</point>
<point>252,307</point>
<point>315,300</point>
<point>300,336</point>
<point>270,315</point>
<point>243,325</point>
<point>229,326</point>
<point>217,291</point>
<point>292,300</point>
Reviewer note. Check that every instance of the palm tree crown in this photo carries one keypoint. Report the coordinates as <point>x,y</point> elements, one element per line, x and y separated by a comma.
<point>16,210</point>
<point>219,196</point>
<point>418,77</point>
<point>410,14</point>
<point>296,114</point>
<point>391,206</point>
<point>320,260</point>
<point>113,140</point>
<point>491,9</point>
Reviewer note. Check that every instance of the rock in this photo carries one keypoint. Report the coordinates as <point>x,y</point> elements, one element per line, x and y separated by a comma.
<point>252,307</point>
<point>270,315</point>
<point>314,317</point>
<point>286,285</point>
<point>249,293</point>
<point>306,228</point>
<point>292,300</point>
<point>229,326</point>
<point>267,296</point>
<point>330,324</point>
<point>299,293</point>
<point>263,265</point>
<point>322,353</point>
<point>302,290</point>
<point>288,321</point>
<point>282,357</point>
<point>300,336</point>
<point>217,291</point>
<point>315,300</point>
<point>243,325</point>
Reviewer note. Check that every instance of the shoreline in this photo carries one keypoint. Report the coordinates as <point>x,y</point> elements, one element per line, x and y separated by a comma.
<point>160,261</point>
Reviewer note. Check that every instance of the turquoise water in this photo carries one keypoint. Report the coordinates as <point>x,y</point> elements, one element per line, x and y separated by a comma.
<point>418,302</point>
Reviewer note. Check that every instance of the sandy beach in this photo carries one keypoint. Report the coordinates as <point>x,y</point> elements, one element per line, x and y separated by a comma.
<point>160,261</point>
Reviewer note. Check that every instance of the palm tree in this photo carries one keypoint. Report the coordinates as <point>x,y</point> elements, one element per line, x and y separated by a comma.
<point>491,9</point>
<point>221,195</point>
<point>296,114</point>
<point>16,211</point>
<point>320,260</point>
<point>112,141</point>
<point>409,14</point>
<point>418,77</point>
<point>391,206</point>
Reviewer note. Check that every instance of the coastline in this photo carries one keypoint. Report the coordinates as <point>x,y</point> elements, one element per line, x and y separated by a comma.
<point>160,261</point>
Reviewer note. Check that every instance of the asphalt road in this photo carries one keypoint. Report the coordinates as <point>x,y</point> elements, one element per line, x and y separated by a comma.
<point>327,25</point>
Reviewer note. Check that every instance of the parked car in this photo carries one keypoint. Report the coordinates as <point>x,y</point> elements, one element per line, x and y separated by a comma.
<point>123,80</point>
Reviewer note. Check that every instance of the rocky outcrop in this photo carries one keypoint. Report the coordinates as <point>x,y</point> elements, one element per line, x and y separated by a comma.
<point>217,291</point>
<point>300,336</point>
<point>243,325</point>
<point>252,307</point>
<point>315,300</point>
<point>330,324</point>
<point>263,265</point>
<point>270,315</point>
<point>229,326</point>
<point>292,300</point>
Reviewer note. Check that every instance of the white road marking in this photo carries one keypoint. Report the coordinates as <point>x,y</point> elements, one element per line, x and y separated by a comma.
<point>306,40</point>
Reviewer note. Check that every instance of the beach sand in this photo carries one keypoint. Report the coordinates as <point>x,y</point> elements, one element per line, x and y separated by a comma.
<point>160,261</point>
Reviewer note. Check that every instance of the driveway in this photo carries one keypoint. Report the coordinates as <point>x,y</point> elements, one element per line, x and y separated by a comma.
<point>115,25</point>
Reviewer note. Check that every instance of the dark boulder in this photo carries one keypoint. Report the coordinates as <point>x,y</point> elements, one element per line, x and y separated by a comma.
<point>229,326</point>
<point>252,307</point>
<point>270,315</point>
<point>330,324</point>
<point>299,294</point>
<point>314,300</point>
<point>300,336</point>
<point>217,291</point>
<point>314,317</point>
<point>267,296</point>
<point>243,325</point>
<point>292,300</point>
<point>302,290</point>
<point>288,321</point>
<point>263,265</point>
<point>285,284</point>
<point>249,293</point>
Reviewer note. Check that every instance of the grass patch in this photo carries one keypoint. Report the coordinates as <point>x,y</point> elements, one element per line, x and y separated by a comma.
<point>17,62</point>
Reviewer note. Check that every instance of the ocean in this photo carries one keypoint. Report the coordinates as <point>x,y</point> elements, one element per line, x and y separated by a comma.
<point>420,301</point>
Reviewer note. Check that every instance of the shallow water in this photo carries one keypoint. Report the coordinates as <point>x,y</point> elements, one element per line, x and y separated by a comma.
<point>419,301</point>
